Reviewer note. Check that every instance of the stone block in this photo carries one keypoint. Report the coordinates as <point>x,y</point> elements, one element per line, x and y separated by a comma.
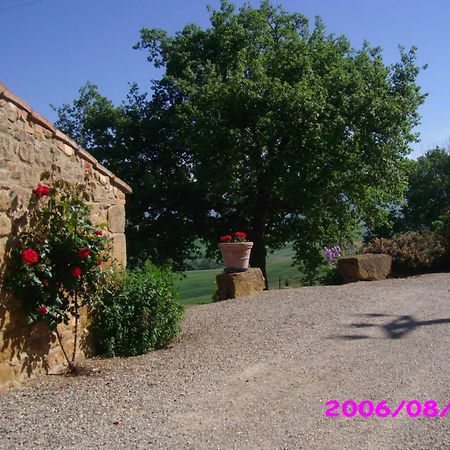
<point>39,131</point>
<point>239,284</point>
<point>99,213</point>
<point>5,226</point>
<point>12,112</point>
<point>5,200</point>
<point>24,152</point>
<point>118,194</point>
<point>116,219</point>
<point>119,249</point>
<point>103,179</point>
<point>367,267</point>
<point>3,242</point>
<point>29,127</point>
<point>6,373</point>
<point>68,150</point>
<point>6,146</point>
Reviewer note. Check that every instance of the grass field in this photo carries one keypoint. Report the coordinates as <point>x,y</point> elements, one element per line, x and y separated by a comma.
<point>199,285</point>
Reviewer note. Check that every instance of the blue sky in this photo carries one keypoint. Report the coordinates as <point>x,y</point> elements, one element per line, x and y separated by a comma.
<point>50,48</point>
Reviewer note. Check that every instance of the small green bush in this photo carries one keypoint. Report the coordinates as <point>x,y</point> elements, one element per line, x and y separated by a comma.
<point>413,252</point>
<point>442,226</point>
<point>139,314</point>
<point>330,275</point>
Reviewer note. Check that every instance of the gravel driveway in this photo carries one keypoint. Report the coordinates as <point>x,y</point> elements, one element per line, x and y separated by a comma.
<point>256,373</point>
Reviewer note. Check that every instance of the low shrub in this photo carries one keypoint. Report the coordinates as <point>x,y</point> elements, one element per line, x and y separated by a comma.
<point>139,313</point>
<point>413,252</point>
<point>329,275</point>
<point>442,226</point>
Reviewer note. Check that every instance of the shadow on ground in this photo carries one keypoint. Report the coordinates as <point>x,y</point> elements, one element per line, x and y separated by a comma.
<point>396,328</point>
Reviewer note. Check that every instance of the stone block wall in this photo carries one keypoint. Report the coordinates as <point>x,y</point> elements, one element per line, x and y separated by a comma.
<point>29,146</point>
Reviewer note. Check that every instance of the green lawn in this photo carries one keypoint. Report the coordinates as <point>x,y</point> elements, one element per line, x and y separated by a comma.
<point>199,285</point>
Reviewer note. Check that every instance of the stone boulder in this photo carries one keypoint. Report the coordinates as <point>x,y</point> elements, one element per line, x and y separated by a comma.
<point>239,284</point>
<point>367,267</point>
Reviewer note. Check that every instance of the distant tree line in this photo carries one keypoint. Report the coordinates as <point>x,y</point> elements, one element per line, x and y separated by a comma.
<point>427,198</point>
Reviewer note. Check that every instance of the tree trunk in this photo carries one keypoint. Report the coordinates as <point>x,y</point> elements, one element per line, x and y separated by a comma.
<point>259,251</point>
<point>258,257</point>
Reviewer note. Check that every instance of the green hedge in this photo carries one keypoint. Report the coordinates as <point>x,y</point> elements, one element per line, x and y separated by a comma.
<point>140,314</point>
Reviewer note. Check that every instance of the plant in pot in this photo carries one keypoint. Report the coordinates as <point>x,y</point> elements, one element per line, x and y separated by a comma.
<point>235,251</point>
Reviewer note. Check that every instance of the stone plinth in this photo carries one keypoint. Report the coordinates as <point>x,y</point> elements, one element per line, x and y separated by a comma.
<point>367,267</point>
<point>239,284</point>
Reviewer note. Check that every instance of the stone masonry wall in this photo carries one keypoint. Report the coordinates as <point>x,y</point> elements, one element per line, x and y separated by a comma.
<point>30,145</point>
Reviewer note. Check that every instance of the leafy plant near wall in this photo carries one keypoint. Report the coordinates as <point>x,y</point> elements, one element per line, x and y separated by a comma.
<point>57,266</point>
<point>141,314</point>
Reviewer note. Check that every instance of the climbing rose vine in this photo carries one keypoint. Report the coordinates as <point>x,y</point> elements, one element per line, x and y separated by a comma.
<point>57,266</point>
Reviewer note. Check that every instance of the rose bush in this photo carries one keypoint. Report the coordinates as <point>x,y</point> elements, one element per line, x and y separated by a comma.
<point>57,265</point>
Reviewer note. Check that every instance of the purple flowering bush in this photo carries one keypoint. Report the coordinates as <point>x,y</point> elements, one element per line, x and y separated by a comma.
<point>332,253</point>
<point>328,272</point>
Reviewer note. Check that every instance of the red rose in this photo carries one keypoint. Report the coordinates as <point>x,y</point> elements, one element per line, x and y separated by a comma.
<point>43,310</point>
<point>84,253</point>
<point>41,190</point>
<point>45,282</point>
<point>76,272</point>
<point>99,262</point>
<point>99,232</point>
<point>240,234</point>
<point>226,238</point>
<point>29,256</point>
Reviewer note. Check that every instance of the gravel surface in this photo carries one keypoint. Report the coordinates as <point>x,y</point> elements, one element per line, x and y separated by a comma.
<point>256,372</point>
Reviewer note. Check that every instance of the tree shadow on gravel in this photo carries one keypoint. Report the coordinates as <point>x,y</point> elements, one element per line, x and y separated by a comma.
<point>396,328</point>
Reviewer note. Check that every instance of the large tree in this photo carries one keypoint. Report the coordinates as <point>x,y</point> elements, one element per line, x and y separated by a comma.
<point>268,126</point>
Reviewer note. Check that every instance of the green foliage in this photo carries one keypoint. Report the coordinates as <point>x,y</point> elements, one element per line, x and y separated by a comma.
<point>427,199</point>
<point>203,263</point>
<point>328,275</point>
<point>139,315</point>
<point>197,286</point>
<point>428,194</point>
<point>413,252</point>
<point>259,122</point>
<point>134,141</point>
<point>65,271</point>
<point>442,226</point>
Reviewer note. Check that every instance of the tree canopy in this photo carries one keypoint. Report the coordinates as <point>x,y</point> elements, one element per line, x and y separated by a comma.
<point>259,123</point>
<point>428,194</point>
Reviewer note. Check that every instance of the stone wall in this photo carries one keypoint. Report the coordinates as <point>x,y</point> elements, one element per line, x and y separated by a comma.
<point>30,145</point>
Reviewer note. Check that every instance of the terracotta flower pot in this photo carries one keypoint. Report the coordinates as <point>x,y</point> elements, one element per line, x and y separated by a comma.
<point>236,255</point>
